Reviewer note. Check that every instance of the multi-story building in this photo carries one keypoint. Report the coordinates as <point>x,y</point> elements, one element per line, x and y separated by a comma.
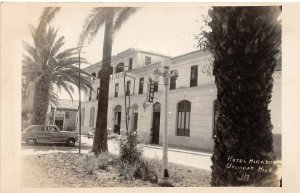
<point>191,99</point>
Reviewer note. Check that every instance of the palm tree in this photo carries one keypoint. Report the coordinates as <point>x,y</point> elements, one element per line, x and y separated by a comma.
<point>112,18</point>
<point>45,65</point>
<point>245,42</point>
<point>46,17</point>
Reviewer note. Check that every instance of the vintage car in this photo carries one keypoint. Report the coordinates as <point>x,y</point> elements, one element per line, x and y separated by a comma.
<point>48,134</point>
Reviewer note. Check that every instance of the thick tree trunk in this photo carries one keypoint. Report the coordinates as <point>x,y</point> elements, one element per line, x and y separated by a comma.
<point>100,138</point>
<point>41,101</point>
<point>243,68</point>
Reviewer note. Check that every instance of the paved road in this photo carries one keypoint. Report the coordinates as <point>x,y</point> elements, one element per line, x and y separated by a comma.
<point>179,157</point>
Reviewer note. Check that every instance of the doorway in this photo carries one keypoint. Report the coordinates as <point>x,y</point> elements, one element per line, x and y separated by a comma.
<point>117,119</point>
<point>154,134</point>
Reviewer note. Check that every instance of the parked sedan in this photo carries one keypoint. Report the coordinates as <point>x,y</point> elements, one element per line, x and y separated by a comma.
<point>48,134</point>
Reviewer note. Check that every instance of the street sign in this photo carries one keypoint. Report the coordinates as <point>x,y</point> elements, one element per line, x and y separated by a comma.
<point>151,92</point>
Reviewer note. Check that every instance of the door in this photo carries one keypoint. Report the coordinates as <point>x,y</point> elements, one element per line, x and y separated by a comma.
<point>135,121</point>
<point>56,135</point>
<point>154,139</point>
<point>43,134</point>
<point>59,124</point>
<point>117,126</point>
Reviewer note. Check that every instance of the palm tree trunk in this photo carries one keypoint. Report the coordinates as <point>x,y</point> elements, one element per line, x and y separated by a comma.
<point>243,77</point>
<point>100,138</point>
<point>41,101</point>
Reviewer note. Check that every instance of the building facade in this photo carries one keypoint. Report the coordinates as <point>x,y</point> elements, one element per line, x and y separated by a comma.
<point>64,116</point>
<point>191,99</point>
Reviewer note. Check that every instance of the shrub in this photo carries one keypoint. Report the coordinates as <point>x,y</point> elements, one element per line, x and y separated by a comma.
<point>127,170</point>
<point>148,169</point>
<point>129,150</point>
<point>92,163</point>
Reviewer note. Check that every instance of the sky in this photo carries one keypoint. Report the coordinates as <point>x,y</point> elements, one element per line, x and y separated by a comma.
<point>169,30</point>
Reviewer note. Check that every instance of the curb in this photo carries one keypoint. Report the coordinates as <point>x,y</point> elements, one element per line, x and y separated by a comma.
<point>180,151</point>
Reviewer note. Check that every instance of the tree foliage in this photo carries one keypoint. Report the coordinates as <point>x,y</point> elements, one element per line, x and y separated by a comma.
<point>245,43</point>
<point>44,66</point>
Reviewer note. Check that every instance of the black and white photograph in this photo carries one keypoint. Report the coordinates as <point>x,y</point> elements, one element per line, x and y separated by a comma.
<point>127,95</point>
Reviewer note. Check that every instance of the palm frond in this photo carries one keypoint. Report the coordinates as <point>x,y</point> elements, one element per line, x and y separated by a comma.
<point>93,22</point>
<point>123,15</point>
<point>46,17</point>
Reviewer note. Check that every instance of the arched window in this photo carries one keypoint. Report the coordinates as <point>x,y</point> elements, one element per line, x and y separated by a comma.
<point>92,117</point>
<point>98,74</point>
<point>82,116</point>
<point>119,68</point>
<point>183,118</point>
<point>94,75</point>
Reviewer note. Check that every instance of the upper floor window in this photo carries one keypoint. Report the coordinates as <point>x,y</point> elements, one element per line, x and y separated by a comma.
<point>173,81</point>
<point>194,76</point>
<point>116,89</point>
<point>155,86</point>
<point>130,64</point>
<point>141,85</point>
<point>90,96</point>
<point>94,75</point>
<point>98,92</point>
<point>147,60</point>
<point>183,118</point>
<point>119,68</point>
<point>98,76</point>
<point>128,85</point>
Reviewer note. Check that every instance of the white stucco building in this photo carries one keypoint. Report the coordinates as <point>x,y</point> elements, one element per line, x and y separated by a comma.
<point>190,103</point>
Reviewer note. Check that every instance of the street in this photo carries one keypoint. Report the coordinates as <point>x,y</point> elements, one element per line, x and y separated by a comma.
<point>187,158</point>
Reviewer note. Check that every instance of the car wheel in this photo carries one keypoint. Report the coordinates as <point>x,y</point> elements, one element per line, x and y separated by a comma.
<point>31,141</point>
<point>70,142</point>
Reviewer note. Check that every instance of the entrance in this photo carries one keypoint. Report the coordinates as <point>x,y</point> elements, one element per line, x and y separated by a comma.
<point>154,134</point>
<point>135,121</point>
<point>59,124</point>
<point>117,119</point>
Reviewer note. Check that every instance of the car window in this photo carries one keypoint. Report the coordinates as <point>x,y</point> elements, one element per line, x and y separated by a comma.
<point>52,129</point>
<point>43,128</point>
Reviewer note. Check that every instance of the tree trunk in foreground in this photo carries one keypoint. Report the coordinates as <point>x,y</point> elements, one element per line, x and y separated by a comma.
<point>100,138</point>
<point>244,42</point>
<point>41,101</point>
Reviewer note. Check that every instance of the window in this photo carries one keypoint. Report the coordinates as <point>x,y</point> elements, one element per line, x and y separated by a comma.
<point>147,60</point>
<point>94,75</point>
<point>82,116</point>
<point>90,96</point>
<point>155,86</point>
<point>98,74</point>
<point>116,89</point>
<point>130,64</point>
<point>98,92</point>
<point>128,87</point>
<point>216,108</point>
<point>183,118</point>
<point>119,68</point>
<point>194,76</point>
<point>92,116</point>
<point>141,86</point>
<point>173,81</point>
